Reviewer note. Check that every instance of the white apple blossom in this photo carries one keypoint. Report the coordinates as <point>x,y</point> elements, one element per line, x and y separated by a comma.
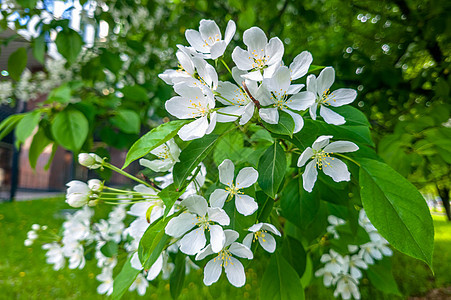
<point>232,266</point>
<point>140,285</point>
<point>346,287</point>
<point>321,87</point>
<point>204,218</point>
<point>280,88</point>
<point>334,222</point>
<point>208,39</point>
<point>106,279</point>
<point>55,255</point>
<point>260,54</point>
<point>320,153</point>
<point>328,276</point>
<point>79,193</point>
<point>168,154</point>
<point>259,232</point>
<point>245,204</point>
<point>192,103</point>
<point>353,264</point>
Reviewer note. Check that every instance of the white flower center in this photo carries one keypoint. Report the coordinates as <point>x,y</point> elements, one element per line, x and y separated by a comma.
<point>224,255</point>
<point>210,41</point>
<point>260,59</point>
<point>320,157</point>
<point>203,222</point>
<point>260,235</point>
<point>164,152</point>
<point>199,110</point>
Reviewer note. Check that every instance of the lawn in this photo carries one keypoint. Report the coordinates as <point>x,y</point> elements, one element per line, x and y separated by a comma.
<point>25,275</point>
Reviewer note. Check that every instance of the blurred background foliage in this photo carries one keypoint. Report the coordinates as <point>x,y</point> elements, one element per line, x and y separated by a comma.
<point>396,53</point>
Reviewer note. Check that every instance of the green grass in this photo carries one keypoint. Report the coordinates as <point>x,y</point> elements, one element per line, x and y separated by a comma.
<point>25,275</point>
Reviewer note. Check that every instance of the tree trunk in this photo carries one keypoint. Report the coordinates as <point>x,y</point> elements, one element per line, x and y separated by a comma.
<point>444,195</point>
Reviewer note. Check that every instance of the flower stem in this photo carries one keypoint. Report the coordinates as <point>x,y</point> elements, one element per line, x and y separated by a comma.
<point>116,169</point>
<point>227,67</point>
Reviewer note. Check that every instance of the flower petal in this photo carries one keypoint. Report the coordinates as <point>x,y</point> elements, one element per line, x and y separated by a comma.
<point>212,271</point>
<point>226,172</point>
<point>246,177</point>
<point>194,130</point>
<point>196,204</point>
<point>309,176</point>
<point>242,59</point>
<point>232,93</point>
<point>274,51</point>
<point>218,197</point>
<point>341,147</point>
<point>247,241</point>
<point>218,215</point>
<point>253,76</point>
<point>336,169</point>
<point>325,79</point>
<point>330,116</point>
<point>248,113</point>
<point>313,110</point>
<point>241,250</point>
<point>268,242</point>
<point>297,118</point>
<point>342,96</point>
<point>217,238</point>
<point>195,40</point>
<point>305,156</point>
<point>301,101</point>
<point>321,142</point>
<point>279,83</point>
<point>179,225</point>
<point>155,269</point>
<point>235,272</point>
<point>204,252</point>
<point>245,204</point>
<point>231,236</point>
<point>209,31</point>
<point>157,165</point>
<point>193,242</point>
<point>300,65</point>
<point>230,31</point>
<point>255,40</point>
<point>271,228</point>
<point>212,124</point>
<point>294,89</point>
<point>269,115</point>
<point>312,85</point>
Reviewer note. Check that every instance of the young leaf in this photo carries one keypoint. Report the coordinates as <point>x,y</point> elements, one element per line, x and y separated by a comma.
<point>70,129</point>
<point>285,126</point>
<point>397,210</point>
<point>17,62</point>
<point>127,121</point>
<point>69,43</point>
<point>124,280</point>
<point>26,126</point>
<point>271,169</point>
<point>280,281</point>
<point>153,139</point>
<point>192,156</point>
<point>39,143</point>
<point>178,275</point>
<point>169,195</point>
<point>61,94</point>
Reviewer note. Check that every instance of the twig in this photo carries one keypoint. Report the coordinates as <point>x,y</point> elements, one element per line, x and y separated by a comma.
<point>250,95</point>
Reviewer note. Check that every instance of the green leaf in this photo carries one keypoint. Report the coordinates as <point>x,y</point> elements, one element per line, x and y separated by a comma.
<point>294,253</point>
<point>271,169</point>
<point>280,281</point>
<point>352,115</point>
<point>381,276</point>
<point>192,156</point>
<point>70,129</point>
<point>284,127</point>
<point>109,249</point>
<point>238,222</point>
<point>127,121</point>
<point>178,275</point>
<point>17,62</point>
<point>61,94</point>
<point>230,146</point>
<point>69,44</point>
<point>124,280</point>
<point>39,143</point>
<point>169,195</point>
<point>39,48</point>
<point>397,210</point>
<point>153,242</point>
<point>314,68</point>
<point>27,3</point>
<point>135,93</point>
<point>265,205</point>
<point>153,139</point>
<point>9,124</point>
<point>26,126</point>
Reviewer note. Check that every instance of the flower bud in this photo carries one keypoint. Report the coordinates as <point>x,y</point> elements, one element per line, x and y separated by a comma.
<point>35,227</point>
<point>77,200</point>
<point>90,160</point>
<point>95,185</point>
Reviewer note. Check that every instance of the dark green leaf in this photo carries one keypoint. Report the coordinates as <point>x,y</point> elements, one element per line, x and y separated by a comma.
<point>284,127</point>
<point>124,280</point>
<point>397,210</point>
<point>280,281</point>
<point>39,48</point>
<point>109,249</point>
<point>70,129</point>
<point>265,205</point>
<point>381,276</point>
<point>178,275</point>
<point>61,94</point>
<point>17,62</point>
<point>169,195</point>
<point>153,139</point>
<point>192,156</point>
<point>271,169</point>
<point>69,44</point>
<point>294,253</point>
<point>127,121</point>
<point>39,143</point>
<point>26,126</point>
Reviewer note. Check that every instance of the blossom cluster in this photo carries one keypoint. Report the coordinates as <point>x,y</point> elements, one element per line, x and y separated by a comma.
<point>345,272</point>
